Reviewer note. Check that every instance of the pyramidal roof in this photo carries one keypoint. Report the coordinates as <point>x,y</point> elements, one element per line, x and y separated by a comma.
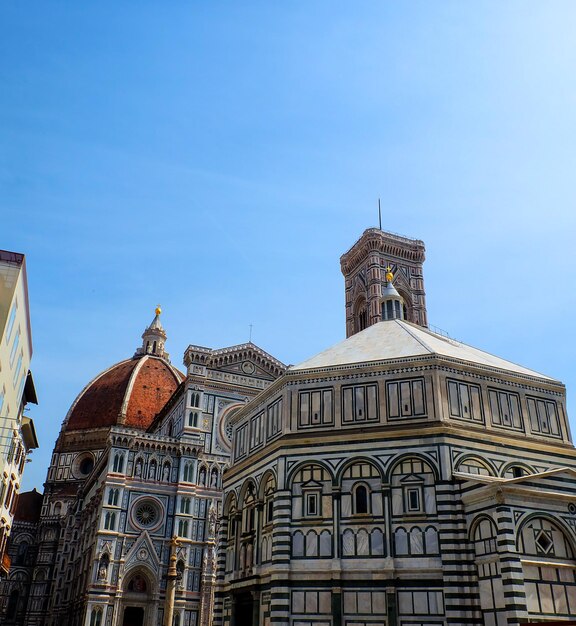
<point>398,339</point>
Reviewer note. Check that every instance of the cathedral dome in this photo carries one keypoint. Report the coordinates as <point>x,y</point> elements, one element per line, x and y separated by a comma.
<point>129,393</point>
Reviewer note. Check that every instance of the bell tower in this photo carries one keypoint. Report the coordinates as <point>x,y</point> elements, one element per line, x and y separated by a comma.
<point>368,267</point>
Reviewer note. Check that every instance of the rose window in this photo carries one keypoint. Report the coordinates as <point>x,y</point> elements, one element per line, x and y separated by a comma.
<point>146,514</point>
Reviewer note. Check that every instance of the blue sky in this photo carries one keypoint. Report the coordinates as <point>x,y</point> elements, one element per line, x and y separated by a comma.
<point>219,157</point>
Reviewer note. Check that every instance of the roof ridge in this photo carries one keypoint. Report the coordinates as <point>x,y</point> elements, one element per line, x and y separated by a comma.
<point>415,337</point>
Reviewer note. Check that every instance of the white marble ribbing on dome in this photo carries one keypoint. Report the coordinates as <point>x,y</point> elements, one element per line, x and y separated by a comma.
<point>397,339</point>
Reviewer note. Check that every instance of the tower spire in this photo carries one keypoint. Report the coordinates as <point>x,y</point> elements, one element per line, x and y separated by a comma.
<point>154,337</point>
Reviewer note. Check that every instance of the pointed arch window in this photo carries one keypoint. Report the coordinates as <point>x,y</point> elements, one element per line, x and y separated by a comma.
<point>183,528</point>
<point>113,497</point>
<point>361,316</point>
<point>118,464</point>
<point>110,521</point>
<point>188,473</point>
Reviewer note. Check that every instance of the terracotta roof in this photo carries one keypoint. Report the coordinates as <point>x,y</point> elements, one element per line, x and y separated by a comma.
<point>28,506</point>
<point>129,393</point>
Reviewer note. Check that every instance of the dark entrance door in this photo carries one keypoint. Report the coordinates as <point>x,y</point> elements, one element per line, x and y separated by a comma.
<point>133,616</point>
<point>244,610</point>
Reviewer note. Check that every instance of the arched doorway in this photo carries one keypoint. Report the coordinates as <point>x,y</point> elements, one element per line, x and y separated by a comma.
<point>133,616</point>
<point>136,602</point>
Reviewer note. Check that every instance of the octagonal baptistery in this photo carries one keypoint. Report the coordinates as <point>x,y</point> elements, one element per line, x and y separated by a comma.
<point>400,478</point>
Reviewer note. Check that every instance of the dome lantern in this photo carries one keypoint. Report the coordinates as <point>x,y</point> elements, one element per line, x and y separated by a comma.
<point>154,338</point>
<point>391,302</point>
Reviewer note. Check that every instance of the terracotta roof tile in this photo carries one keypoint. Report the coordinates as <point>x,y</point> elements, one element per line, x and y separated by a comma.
<point>154,385</point>
<point>147,381</point>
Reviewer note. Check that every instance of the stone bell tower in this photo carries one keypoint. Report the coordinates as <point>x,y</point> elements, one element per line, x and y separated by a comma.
<point>367,266</point>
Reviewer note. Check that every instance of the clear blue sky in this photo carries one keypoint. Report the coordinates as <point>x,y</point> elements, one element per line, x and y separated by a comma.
<point>219,157</point>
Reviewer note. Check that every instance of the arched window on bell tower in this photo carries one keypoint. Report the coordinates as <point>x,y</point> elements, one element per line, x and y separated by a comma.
<point>360,314</point>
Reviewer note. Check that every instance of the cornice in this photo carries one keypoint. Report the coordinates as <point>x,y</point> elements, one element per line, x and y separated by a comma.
<point>374,239</point>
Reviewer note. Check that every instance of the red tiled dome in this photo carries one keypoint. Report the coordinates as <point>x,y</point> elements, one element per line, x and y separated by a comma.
<point>129,393</point>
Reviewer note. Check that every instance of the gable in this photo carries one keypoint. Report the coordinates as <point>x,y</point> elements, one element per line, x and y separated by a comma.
<point>246,360</point>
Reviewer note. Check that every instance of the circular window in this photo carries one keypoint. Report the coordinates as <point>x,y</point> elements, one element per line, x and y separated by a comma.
<point>86,465</point>
<point>83,465</point>
<point>146,514</point>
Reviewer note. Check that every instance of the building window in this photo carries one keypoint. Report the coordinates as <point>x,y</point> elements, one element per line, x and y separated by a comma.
<point>274,418</point>
<point>360,404</point>
<point>240,441</point>
<point>113,497</point>
<point>146,513</point>
<point>193,419</point>
<point>505,409</point>
<point>110,521</point>
<point>420,602</point>
<point>195,399</point>
<point>256,430</point>
<point>17,370</point>
<point>11,320</point>
<point>312,503</point>
<point>96,617</point>
<point>464,401</point>
<point>406,398</point>
<point>361,500</point>
<point>118,464</point>
<point>315,408</point>
<point>188,473</point>
<point>86,465</point>
<point>185,505</point>
<point>183,528</point>
<point>14,349</point>
<point>518,472</point>
<point>543,417</point>
<point>413,499</point>
<point>360,315</point>
<point>8,496</point>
